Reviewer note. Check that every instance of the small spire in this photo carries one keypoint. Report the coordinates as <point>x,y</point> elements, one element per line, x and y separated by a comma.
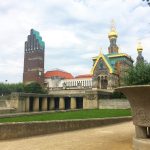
<point>113,32</point>
<point>113,28</point>
<point>100,49</point>
<point>139,47</point>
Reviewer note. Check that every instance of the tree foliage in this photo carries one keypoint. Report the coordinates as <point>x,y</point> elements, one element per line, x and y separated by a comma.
<point>34,88</point>
<point>6,88</point>
<point>117,95</point>
<point>138,74</point>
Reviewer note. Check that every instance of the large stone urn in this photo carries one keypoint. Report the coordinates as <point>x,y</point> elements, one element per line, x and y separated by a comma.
<point>139,98</point>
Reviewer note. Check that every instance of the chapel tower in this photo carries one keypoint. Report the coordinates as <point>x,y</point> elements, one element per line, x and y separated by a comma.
<point>139,58</point>
<point>112,35</point>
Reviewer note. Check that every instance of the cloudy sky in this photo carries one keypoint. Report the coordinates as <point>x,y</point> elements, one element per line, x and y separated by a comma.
<point>73,31</point>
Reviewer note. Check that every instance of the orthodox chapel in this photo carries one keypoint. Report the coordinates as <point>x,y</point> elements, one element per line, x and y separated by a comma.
<point>108,69</point>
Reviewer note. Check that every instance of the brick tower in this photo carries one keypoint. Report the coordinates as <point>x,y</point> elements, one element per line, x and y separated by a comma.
<point>34,59</point>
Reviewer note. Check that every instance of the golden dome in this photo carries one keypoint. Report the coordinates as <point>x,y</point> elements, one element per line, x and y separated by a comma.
<point>139,47</point>
<point>112,33</point>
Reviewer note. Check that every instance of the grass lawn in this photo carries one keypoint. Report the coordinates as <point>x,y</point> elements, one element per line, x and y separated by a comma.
<point>81,114</point>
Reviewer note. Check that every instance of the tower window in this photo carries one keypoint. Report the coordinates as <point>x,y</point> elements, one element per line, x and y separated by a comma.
<point>40,73</point>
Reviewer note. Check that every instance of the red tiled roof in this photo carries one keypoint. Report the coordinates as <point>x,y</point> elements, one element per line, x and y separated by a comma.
<point>84,76</point>
<point>58,73</point>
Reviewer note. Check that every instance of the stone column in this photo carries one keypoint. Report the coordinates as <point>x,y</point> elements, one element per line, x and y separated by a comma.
<point>61,103</point>
<point>86,103</point>
<point>141,132</point>
<point>27,104</point>
<point>52,103</point>
<point>36,104</point>
<point>73,103</point>
<point>44,104</point>
<point>99,82</point>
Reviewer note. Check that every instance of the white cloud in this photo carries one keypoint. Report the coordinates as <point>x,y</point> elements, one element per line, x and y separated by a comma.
<point>60,38</point>
<point>73,31</point>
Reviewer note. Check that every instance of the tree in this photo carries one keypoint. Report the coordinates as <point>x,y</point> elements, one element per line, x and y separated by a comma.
<point>34,87</point>
<point>138,74</point>
<point>7,88</point>
<point>147,1</point>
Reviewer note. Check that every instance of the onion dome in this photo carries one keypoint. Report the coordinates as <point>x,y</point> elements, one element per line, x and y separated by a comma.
<point>112,33</point>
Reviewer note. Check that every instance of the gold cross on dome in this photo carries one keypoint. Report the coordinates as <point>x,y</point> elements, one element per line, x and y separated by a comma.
<point>100,49</point>
<point>113,24</point>
<point>139,42</point>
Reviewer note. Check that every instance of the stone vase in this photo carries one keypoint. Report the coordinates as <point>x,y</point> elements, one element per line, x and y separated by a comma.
<point>139,99</point>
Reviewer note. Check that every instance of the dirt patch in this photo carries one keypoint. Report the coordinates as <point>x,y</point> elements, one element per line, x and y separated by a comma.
<point>112,137</point>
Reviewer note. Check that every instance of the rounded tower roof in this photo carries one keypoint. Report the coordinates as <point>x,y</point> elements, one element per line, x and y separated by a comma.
<point>112,33</point>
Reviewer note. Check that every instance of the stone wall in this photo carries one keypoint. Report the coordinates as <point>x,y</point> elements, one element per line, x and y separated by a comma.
<point>5,101</point>
<point>7,110</point>
<point>5,105</point>
<point>7,97</point>
<point>20,130</point>
<point>114,104</point>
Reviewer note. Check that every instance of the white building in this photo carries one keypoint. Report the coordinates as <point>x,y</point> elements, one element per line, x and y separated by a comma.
<point>62,79</point>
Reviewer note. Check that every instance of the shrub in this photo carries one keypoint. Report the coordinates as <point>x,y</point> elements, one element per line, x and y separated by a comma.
<point>34,88</point>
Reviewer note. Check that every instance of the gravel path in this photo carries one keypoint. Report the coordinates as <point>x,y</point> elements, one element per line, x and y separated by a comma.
<point>113,137</point>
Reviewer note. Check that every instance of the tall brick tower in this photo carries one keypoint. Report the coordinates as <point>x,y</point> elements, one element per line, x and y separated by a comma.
<point>34,59</point>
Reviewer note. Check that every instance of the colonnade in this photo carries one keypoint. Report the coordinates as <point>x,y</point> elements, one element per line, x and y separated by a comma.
<point>52,103</point>
<point>77,82</point>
